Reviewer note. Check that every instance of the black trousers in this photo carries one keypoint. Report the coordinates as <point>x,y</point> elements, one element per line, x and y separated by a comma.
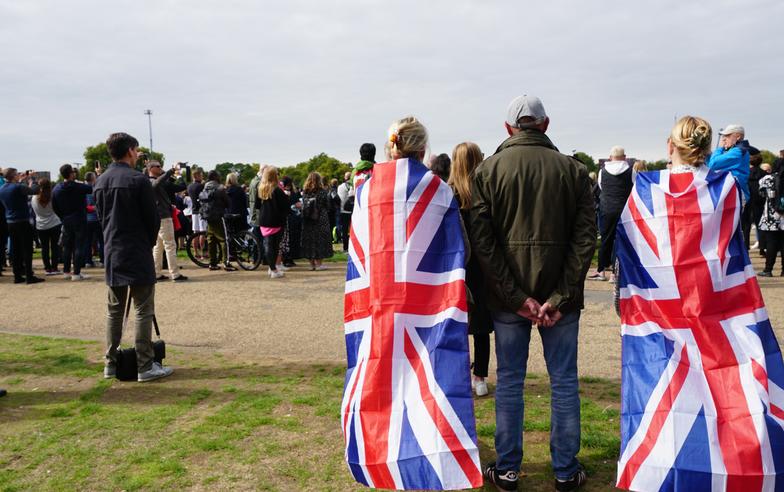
<point>3,243</point>
<point>22,247</point>
<point>271,249</point>
<point>774,246</point>
<point>609,223</point>
<point>345,228</point>
<point>481,354</point>
<point>50,247</point>
<point>73,247</point>
<point>745,224</point>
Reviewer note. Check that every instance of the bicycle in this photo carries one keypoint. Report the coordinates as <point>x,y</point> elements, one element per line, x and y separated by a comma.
<point>241,244</point>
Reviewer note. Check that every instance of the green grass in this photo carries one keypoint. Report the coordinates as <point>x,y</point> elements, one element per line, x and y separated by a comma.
<point>220,424</point>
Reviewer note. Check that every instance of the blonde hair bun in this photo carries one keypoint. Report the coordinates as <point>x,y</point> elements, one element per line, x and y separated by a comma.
<point>407,138</point>
<point>692,138</point>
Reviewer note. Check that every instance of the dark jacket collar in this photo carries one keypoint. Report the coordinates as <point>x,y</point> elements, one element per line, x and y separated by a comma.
<point>527,137</point>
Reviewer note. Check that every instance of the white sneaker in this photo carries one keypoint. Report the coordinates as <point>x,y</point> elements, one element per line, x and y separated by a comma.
<point>755,245</point>
<point>66,276</point>
<point>282,268</point>
<point>78,277</point>
<point>277,274</point>
<point>156,372</point>
<point>481,388</point>
<point>321,267</point>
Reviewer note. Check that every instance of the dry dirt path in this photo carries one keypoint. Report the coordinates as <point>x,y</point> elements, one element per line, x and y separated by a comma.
<point>298,318</point>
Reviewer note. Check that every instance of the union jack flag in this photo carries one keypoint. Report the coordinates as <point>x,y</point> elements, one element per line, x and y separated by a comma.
<point>407,411</point>
<point>702,377</point>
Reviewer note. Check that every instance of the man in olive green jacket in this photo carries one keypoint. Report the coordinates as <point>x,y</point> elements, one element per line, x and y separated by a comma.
<point>533,232</point>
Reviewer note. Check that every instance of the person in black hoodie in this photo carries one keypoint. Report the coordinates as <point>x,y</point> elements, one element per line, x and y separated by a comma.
<point>130,221</point>
<point>274,208</point>
<point>69,200</point>
<point>214,203</point>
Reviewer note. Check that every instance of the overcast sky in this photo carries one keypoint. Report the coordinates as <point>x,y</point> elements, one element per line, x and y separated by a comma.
<point>278,82</point>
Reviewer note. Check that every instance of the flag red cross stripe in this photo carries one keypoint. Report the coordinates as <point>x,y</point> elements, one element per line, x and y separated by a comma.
<point>701,310</point>
<point>385,297</point>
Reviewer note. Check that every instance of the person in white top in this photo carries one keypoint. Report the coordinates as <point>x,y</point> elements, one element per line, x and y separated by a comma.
<point>48,225</point>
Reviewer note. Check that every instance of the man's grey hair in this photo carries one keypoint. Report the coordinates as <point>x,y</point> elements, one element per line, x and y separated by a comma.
<point>617,151</point>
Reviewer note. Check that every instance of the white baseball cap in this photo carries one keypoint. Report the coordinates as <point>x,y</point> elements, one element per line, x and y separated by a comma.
<point>523,106</point>
<point>730,129</point>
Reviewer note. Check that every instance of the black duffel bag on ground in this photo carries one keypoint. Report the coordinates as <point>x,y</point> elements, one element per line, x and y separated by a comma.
<point>126,358</point>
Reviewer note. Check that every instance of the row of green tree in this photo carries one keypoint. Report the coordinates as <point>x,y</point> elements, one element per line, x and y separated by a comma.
<point>329,167</point>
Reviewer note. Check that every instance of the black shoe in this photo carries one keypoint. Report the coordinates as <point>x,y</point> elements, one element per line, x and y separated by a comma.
<point>34,280</point>
<point>3,392</point>
<point>575,481</point>
<point>180,278</point>
<point>765,274</point>
<point>289,264</point>
<point>501,480</point>
<point>161,277</point>
<point>214,268</point>
<point>19,280</point>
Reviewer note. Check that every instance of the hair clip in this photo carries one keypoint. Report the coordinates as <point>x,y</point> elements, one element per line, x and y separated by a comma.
<point>393,138</point>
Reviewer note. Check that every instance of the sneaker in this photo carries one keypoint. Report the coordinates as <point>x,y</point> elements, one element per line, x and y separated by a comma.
<point>180,278</point>
<point>229,268</point>
<point>19,280</point>
<point>161,278</point>
<point>501,480</point>
<point>34,280</point>
<point>282,268</point>
<point>755,245</point>
<point>321,268</point>
<point>598,276</point>
<point>214,268</point>
<point>98,264</point>
<point>276,274</point>
<point>480,387</point>
<point>765,274</point>
<point>572,483</point>
<point>289,264</point>
<point>109,371</point>
<point>156,372</point>
<point>78,277</point>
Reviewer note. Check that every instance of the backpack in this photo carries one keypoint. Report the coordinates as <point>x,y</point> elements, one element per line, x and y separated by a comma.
<point>349,206</point>
<point>207,208</point>
<point>778,190</point>
<point>310,209</point>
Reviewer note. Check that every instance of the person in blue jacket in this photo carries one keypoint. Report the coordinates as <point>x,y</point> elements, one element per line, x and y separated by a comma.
<point>13,196</point>
<point>733,155</point>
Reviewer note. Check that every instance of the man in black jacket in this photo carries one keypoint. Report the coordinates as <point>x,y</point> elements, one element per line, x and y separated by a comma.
<point>69,201</point>
<point>129,219</point>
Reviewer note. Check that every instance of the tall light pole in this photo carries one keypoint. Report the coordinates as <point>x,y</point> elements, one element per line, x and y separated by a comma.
<point>148,112</point>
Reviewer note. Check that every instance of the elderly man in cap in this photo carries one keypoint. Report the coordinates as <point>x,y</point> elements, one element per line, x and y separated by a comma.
<point>533,231</point>
<point>733,155</point>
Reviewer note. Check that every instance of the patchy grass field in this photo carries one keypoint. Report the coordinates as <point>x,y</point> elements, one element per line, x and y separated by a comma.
<point>221,424</point>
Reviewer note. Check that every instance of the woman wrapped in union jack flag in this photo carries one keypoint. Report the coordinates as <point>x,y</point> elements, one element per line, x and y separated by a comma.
<point>702,374</point>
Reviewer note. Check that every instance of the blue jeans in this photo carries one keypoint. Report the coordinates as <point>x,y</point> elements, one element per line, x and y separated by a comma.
<point>512,336</point>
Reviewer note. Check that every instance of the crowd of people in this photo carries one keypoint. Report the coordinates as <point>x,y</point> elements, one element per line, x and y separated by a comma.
<point>531,217</point>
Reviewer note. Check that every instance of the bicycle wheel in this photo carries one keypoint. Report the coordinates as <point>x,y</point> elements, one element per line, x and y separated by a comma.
<point>247,250</point>
<point>198,253</point>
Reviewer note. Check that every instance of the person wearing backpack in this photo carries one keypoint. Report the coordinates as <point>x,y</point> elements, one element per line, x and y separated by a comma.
<point>316,240</point>
<point>771,187</point>
<point>213,204</point>
<point>346,194</point>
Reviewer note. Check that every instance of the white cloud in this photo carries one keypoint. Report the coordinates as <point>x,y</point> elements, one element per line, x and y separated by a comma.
<point>281,81</point>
